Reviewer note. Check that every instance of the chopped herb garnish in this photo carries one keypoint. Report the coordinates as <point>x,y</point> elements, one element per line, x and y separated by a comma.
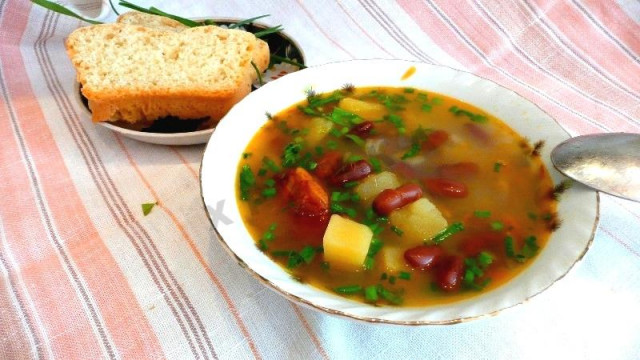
<point>447,232</point>
<point>349,289</point>
<point>532,216</point>
<point>474,117</point>
<point>269,192</point>
<point>353,158</point>
<point>332,145</point>
<point>147,207</point>
<point>509,247</point>
<point>497,225</point>
<point>426,107</point>
<point>497,166</point>
<point>482,213</point>
<point>392,279</point>
<point>389,296</point>
<point>246,155</point>
<point>374,247</point>
<point>436,101</point>
<point>383,276</point>
<point>413,151</point>
<point>409,90</point>
<point>397,122</point>
<point>350,184</point>
<point>371,293</point>
<point>267,237</point>
<point>319,150</point>
<point>339,209</point>
<point>375,165</point>
<point>270,164</point>
<point>404,275</point>
<point>305,256</point>
<point>291,154</point>
<point>397,230</point>
<point>356,139</point>
<point>247,182</point>
<point>368,263</point>
<point>530,248</point>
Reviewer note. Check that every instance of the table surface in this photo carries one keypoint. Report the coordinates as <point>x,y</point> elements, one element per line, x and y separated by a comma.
<point>86,275</point>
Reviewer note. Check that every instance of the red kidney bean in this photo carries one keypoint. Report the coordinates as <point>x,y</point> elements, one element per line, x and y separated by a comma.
<point>482,241</point>
<point>435,139</point>
<point>363,129</point>
<point>392,199</point>
<point>446,188</point>
<point>458,170</point>
<point>479,133</point>
<point>351,172</point>
<point>449,273</point>
<point>328,164</point>
<point>424,256</point>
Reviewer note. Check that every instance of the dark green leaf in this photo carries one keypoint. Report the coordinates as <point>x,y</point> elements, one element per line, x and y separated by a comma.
<point>147,207</point>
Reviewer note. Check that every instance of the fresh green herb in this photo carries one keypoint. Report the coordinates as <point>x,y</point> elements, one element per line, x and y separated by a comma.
<point>267,237</point>
<point>147,207</point>
<point>560,189</point>
<point>397,122</point>
<point>376,228</point>
<point>368,263</point>
<point>485,259</point>
<point>332,145</point>
<point>291,154</point>
<point>258,73</point>
<point>474,117</point>
<point>530,248</point>
<point>325,265</point>
<point>497,166</point>
<point>371,293</point>
<point>353,158</point>
<point>392,279</point>
<point>397,230</point>
<point>270,182</point>
<point>375,165</point>
<point>532,216</point>
<point>339,209</point>
<point>246,155</point>
<point>404,275</point>
<point>267,31</point>
<point>55,7</point>
<point>409,90</point>
<point>509,247</point>
<point>155,11</point>
<point>474,270</point>
<point>262,172</point>
<point>269,192</point>
<point>482,213</point>
<point>247,182</point>
<point>356,139</point>
<point>436,101</point>
<point>349,289</point>
<point>350,184</point>
<point>270,164</point>
<point>389,296</point>
<point>497,225</point>
<point>426,107</point>
<point>344,118</point>
<point>246,21</point>
<point>413,151</point>
<point>447,232</point>
<point>374,247</point>
<point>383,276</point>
<point>295,259</point>
<point>285,60</point>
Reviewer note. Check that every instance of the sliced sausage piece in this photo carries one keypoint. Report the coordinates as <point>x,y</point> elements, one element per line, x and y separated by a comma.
<point>306,194</point>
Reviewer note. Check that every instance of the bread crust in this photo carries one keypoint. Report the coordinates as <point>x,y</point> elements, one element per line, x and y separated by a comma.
<point>135,91</point>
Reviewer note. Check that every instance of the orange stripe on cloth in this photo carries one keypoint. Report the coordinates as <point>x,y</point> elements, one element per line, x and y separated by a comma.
<point>310,331</point>
<point>216,281</point>
<point>88,255</point>
<point>510,72</point>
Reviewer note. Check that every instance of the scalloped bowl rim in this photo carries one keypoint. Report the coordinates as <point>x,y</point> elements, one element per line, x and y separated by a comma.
<point>579,207</point>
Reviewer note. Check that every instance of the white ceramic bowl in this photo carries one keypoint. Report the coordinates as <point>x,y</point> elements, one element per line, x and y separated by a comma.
<point>578,208</point>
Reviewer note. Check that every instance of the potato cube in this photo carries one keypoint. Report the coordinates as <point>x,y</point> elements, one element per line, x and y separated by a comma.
<point>419,221</point>
<point>392,258</point>
<point>318,130</point>
<point>346,243</point>
<point>373,185</point>
<point>366,110</point>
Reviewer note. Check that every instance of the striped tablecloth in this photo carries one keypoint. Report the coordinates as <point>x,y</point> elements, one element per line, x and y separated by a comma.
<point>85,275</point>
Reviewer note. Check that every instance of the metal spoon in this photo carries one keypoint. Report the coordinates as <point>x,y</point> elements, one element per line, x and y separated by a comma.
<point>606,162</point>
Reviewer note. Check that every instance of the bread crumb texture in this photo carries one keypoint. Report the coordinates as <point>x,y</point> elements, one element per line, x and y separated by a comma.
<point>140,73</point>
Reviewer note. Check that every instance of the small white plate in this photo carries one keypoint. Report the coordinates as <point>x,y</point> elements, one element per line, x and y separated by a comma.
<point>280,42</point>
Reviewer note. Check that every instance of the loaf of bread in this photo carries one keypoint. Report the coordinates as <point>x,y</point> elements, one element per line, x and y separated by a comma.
<point>137,73</point>
<point>260,54</point>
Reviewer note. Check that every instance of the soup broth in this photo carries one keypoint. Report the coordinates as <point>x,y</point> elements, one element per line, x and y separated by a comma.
<point>395,196</point>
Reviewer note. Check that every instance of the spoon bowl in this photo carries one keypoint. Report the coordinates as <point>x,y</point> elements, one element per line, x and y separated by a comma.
<point>605,162</point>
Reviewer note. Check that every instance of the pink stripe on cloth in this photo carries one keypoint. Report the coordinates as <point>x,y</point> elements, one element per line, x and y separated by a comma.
<point>88,257</point>
<point>618,24</point>
<point>557,74</point>
<point>583,35</point>
<point>520,75</point>
<point>448,37</point>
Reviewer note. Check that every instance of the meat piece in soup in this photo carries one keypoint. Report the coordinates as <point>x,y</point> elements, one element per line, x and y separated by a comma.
<point>395,196</point>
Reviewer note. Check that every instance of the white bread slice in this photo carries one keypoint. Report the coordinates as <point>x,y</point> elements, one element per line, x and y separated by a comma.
<point>138,74</point>
<point>260,55</point>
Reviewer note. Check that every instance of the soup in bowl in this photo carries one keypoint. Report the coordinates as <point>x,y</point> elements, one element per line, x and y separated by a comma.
<point>395,192</point>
